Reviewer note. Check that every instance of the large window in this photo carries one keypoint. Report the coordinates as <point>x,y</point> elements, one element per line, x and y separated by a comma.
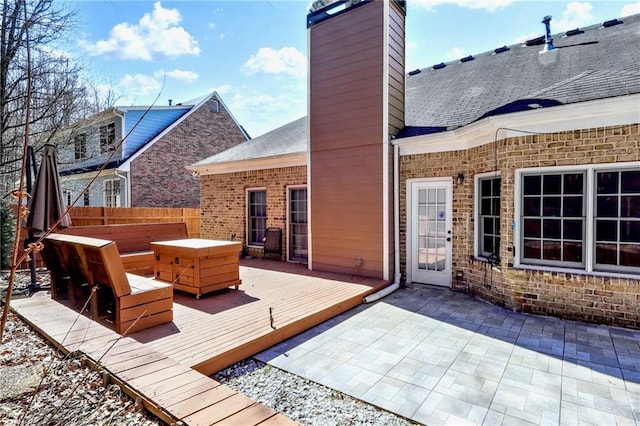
<point>586,218</point>
<point>80,146</point>
<point>617,220</point>
<point>257,217</point>
<point>298,241</point>
<point>112,193</point>
<point>488,227</point>
<point>107,138</point>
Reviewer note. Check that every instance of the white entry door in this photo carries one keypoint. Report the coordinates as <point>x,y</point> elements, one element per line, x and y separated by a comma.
<point>430,232</point>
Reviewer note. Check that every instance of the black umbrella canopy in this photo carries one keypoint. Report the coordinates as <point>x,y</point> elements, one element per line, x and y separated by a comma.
<point>46,204</point>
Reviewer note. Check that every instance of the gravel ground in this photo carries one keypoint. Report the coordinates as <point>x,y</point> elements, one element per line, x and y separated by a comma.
<point>73,394</point>
<point>301,400</point>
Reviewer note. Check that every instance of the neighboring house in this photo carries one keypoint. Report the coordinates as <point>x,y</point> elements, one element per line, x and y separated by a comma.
<point>146,151</point>
<point>513,174</point>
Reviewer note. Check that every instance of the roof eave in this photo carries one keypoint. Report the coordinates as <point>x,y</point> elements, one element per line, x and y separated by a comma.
<point>619,110</point>
<point>273,162</point>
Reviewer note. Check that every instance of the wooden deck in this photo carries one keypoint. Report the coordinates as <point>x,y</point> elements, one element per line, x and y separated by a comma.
<point>168,365</point>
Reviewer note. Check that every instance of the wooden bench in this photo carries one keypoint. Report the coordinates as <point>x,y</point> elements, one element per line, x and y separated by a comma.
<point>78,265</point>
<point>133,240</point>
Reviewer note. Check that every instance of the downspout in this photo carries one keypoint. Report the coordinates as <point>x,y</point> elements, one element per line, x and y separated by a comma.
<point>128,186</point>
<point>396,231</point>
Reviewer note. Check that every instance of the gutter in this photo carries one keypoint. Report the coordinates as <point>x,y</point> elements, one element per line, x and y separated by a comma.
<point>396,231</point>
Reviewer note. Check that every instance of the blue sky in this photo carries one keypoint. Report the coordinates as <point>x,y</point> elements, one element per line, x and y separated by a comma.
<point>254,52</point>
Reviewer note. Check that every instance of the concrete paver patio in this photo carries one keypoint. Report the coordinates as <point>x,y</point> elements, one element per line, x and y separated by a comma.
<point>439,357</point>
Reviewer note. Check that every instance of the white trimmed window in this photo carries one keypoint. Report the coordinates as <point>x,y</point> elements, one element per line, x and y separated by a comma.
<point>80,146</point>
<point>107,138</point>
<point>584,218</point>
<point>112,193</point>
<point>68,197</point>
<point>488,215</point>
<point>256,216</point>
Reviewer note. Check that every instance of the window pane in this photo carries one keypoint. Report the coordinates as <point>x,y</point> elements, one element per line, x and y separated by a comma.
<point>551,250</point>
<point>630,206</point>
<point>572,230</point>
<point>485,187</point>
<point>532,228</point>
<point>572,252</point>
<point>485,208</point>
<point>606,254</point>
<point>496,226</point>
<point>572,207</point>
<point>607,206</point>
<point>573,183</point>
<point>551,228</point>
<point>631,182</point>
<point>531,206</point>
<point>552,184</point>
<point>606,230</point>
<point>531,185</point>
<point>441,195</point>
<point>551,206</point>
<point>629,255</point>
<point>532,249</point>
<point>488,244</point>
<point>630,231</point>
<point>607,183</point>
<point>496,187</point>
<point>487,223</point>
<point>495,206</point>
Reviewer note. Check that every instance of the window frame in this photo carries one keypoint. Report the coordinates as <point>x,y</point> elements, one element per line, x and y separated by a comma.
<point>590,267</point>
<point>477,216</point>
<point>111,196</point>
<point>249,228</point>
<point>80,146</point>
<point>289,243</point>
<point>107,138</point>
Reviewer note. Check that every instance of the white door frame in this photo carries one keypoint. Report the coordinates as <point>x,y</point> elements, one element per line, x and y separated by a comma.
<point>447,182</point>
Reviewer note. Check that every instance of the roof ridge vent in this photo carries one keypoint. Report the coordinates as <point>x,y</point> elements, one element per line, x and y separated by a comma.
<point>548,40</point>
<point>501,49</point>
<point>467,59</point>
<point>534,41</point>
<point>414,72</point>
<point>611,23</point>
<point>574,32</point>
<point>439,66</point>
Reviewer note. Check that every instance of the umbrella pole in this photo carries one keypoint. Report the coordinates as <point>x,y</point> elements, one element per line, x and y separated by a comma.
<point>31,165</point>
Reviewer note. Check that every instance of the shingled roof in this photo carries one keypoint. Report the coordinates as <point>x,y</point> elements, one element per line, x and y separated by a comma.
<point>590,63</point>
<point>598,62</point>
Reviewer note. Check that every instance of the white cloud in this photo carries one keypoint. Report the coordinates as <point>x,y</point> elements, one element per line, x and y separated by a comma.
<point>575,15</point>
<point>455,53</point>
<point>490,5</point>
<point>524,37</point>
<point>139,85</point>
<point>225,88</point>
<point>211,25</point>
<point>181,75</point>
<point>288,61</point>
<point>630,9</point>
<point>156,36</point>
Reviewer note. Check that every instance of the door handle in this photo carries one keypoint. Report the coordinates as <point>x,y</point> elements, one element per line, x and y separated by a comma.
<point>448,238</point>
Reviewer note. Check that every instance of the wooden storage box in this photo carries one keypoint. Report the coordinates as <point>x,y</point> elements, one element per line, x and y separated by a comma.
<point>197,266</point>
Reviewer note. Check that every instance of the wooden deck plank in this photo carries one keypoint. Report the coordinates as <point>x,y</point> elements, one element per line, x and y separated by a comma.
<point>278,420</point>
<point>252,415</point>
<point>214,413</point>
<point>159,364</point>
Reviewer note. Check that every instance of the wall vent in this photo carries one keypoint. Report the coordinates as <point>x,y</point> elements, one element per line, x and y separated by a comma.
<point>215,106</point>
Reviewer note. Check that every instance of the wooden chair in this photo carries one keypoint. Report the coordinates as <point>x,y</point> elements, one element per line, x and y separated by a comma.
<point>272,242</point>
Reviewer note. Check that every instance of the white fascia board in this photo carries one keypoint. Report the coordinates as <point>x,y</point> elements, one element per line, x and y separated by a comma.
<point>616,111</point>
<point>277,162</point>
<point>87,175</point>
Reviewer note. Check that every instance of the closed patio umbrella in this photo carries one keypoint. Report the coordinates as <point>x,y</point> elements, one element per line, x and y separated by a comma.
<point>46,203</point>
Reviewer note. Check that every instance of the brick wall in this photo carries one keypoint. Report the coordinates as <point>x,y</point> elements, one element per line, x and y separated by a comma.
<point>223,202</point>
<point>581,296</point>
<point>159,177</point>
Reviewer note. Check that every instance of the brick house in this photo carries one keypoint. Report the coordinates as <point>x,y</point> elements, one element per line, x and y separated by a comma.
<point>146,151</point>
<point>513,174</point>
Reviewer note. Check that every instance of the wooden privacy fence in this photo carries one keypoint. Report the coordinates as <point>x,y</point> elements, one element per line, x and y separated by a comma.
<point>91,216</point>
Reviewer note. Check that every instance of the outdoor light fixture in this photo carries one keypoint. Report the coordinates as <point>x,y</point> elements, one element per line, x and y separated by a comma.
<point>459,179</point>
